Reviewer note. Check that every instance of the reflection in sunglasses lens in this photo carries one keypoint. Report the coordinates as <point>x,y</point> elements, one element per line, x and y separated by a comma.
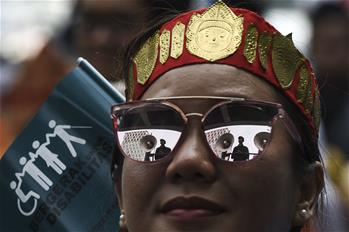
<point>148,145</point>
<point>261,140</point>
<point>234,131</point>
<point>249,143</point>
<point>239,132</point>
<point>149,132</point>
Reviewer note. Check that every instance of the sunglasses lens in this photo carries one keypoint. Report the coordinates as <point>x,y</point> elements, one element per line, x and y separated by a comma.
<point>148,132</point>
<point>239,132</point>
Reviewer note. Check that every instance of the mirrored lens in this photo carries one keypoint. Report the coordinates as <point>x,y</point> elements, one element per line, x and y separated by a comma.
<point>148,145</point>
<point>238,142</point>
<point>238,132</point>
<point>148,132</point>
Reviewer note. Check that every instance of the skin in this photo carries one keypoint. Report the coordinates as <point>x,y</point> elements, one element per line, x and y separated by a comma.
<point>262,195</point>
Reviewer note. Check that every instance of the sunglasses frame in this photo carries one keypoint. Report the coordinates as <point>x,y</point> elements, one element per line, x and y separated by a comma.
<point>281,114</point>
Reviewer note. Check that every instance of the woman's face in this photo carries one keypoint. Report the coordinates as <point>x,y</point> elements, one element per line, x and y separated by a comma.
<point>192,191</point>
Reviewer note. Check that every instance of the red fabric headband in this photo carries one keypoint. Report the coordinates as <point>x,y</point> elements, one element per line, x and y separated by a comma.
<point>231,36</point>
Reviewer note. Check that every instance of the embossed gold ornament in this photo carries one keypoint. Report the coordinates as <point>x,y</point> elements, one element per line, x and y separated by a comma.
<point>251,43</point>
<point>177,42</point>
<point>317,109</point>
<point>131,84</point>
<point>286,59</point>
<point>263,48</point>
<point>309,100</point>
<point>304,77</point>
<point>215,34</point>
<point>164,46</point>
<point>146,57</point>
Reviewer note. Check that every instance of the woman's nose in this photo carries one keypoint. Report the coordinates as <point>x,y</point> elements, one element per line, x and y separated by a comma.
<point>192,161</point>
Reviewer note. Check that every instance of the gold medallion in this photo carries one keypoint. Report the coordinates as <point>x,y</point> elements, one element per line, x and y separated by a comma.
<point>177,40</point>
<point>130,83</point>
<point>145,58</point>
<point>286,59</point>
<point>304,76</point>
<point>164,46</point>
<point>263,49</point>
<point>215,34</point>
<point>251,43</point>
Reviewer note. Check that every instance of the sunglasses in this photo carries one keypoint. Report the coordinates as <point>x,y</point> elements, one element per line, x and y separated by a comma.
<point>236,129</point>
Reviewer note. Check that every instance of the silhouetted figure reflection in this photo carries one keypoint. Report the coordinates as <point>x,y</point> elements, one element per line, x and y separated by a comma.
<point>225,155</point>
<point>240,152</point>
<point>162,150</point>
<point>149,156</point>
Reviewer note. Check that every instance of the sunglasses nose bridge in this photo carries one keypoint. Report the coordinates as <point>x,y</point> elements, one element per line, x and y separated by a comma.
<point>191,161</point>
<point>194,114</point>
<point>194,126</point>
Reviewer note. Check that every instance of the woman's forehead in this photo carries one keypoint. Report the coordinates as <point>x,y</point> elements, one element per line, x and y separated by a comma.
<point>212,80</point>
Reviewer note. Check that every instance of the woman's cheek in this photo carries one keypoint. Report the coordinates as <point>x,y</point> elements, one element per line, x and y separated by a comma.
<point>140,181</point>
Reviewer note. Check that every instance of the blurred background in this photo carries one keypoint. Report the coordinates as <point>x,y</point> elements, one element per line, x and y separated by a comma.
<point>41,39</point>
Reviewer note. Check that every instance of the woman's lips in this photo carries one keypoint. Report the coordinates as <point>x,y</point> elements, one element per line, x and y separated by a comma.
<point>187,208</point>
<point>188,214</point>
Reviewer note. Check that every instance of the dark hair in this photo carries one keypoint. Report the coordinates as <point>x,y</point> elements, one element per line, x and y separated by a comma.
<point>132,48</point>
<point>135,45</point>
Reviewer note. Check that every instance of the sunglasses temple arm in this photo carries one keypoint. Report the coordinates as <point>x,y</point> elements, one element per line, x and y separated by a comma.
<point>291,127</point>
